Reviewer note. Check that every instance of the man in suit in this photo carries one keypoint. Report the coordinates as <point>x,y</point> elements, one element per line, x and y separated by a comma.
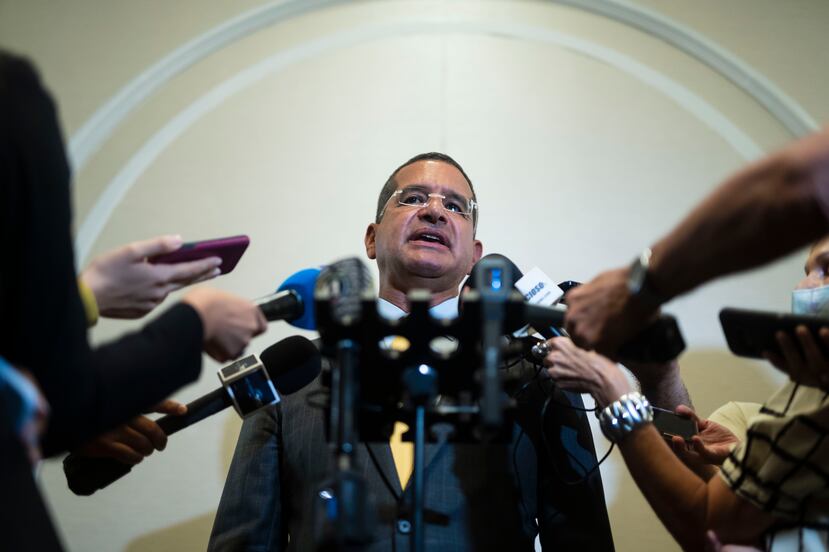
<point>477,496</point>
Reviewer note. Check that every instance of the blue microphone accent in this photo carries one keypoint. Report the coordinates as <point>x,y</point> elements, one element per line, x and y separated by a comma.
<point>303,283</point>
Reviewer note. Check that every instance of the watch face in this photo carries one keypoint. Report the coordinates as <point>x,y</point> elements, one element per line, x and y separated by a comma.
<point>639,271</point>
<point>636,277</point>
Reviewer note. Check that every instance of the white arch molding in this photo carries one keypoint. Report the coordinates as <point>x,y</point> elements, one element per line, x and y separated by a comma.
<point>781,106</point>
<point>97,129</point>
<point>102,124</point>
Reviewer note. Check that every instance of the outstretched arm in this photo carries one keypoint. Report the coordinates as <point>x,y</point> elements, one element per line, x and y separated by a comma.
<point>762,212</point>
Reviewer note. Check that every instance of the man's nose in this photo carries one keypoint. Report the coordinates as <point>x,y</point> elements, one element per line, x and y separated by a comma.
<point>433,210</point>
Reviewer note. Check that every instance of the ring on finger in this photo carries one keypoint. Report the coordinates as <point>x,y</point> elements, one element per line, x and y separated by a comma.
<point>540,350</point>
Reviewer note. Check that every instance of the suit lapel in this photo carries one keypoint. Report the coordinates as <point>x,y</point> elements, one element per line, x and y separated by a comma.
<point>385,464</point>
<point>431,454</point>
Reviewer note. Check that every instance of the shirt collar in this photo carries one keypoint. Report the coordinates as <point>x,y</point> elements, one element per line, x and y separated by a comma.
<point>447,309</point>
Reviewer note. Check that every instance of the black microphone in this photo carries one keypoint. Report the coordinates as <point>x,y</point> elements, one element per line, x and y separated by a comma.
<point>471,283</point>
<point>343,508</point>
<point>661,341</point>
<point>291,364</point>
<point>514,348</point>
<point>281,305</point>
<point>293,301</point>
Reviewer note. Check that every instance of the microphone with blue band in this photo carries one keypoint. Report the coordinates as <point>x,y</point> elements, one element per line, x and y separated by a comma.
<point>293,302</point>
<point>247,384</point>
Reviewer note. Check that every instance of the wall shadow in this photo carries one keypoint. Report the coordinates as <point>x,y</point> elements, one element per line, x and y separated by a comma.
<point>194,533</point>
<point>191,534</point>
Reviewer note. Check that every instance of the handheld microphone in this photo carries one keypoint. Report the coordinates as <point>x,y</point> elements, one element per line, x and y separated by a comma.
<point>293,301</point>
<point>291,364</point>
<point>344,284</point>
<point>661,341</point>
<point>471,282</point>
<point>494,282</point>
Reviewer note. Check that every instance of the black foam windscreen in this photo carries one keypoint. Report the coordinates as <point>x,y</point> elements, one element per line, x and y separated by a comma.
<point>514,270</point>
<point>292,363</point>
<point>470,282</point>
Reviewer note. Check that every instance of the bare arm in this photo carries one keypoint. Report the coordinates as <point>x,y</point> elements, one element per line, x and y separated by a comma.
<point>769,208</point>
<point>686,504</point>
<point>762,212</point>
<point>661,384</point>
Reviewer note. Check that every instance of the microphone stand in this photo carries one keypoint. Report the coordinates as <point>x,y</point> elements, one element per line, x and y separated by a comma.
<point>364,403</point>
<point>343,413</point>
<point>347,497</point>
<point>421,384</point>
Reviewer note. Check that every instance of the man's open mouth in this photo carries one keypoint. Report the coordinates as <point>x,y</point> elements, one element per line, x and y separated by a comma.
<point>431,237</point>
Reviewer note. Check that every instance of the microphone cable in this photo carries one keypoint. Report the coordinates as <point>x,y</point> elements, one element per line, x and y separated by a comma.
<point>550,392</point>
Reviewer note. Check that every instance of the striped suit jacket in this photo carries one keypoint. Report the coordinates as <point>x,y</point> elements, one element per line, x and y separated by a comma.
<point>477,496</point>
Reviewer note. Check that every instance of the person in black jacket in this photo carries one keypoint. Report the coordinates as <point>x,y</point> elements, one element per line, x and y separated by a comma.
<point>44,325</point>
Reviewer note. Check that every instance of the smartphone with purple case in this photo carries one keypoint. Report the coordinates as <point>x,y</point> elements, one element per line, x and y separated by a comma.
<point>229,249</point>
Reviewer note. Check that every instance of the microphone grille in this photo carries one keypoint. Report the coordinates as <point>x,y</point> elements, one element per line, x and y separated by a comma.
<point>292,363</point>
<point>344,283</point>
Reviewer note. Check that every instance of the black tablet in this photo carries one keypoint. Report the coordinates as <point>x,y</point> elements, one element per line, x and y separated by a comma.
<point>750,333</point>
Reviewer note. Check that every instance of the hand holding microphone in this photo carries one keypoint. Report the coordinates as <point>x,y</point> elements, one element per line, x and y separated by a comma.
<point>291,364</point>
<point>659,341</point>
<point>603,314</point>
<point>131,442</point>
<point>229,321</point>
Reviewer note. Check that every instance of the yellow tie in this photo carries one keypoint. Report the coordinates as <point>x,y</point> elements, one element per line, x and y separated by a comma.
<point>403,453</point>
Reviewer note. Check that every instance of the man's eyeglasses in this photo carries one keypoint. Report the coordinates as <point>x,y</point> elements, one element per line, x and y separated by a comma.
<point>418,197</point>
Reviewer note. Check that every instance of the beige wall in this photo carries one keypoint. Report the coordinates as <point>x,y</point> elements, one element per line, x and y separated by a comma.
<point>586,139</point>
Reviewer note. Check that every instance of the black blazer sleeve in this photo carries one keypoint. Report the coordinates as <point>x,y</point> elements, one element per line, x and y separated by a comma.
<point>43,325</point>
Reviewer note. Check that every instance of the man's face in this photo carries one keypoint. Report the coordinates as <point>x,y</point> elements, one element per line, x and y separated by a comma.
<point>426,246</point>
<point>817,266</point>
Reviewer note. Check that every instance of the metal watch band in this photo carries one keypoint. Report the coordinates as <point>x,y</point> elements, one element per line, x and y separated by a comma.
<point>622,416</point>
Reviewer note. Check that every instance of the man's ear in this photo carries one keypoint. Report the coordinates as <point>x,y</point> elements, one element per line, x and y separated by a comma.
<point>477,253</point>
<point>369,241</point>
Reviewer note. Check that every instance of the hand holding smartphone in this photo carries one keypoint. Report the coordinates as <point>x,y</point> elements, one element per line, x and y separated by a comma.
<point>671,424</point>
<point>753,333</point>
<point>795,344</point>
<point>229,249</point>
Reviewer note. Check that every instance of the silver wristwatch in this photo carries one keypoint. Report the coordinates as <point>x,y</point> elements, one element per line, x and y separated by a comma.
<point>621,417</point>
